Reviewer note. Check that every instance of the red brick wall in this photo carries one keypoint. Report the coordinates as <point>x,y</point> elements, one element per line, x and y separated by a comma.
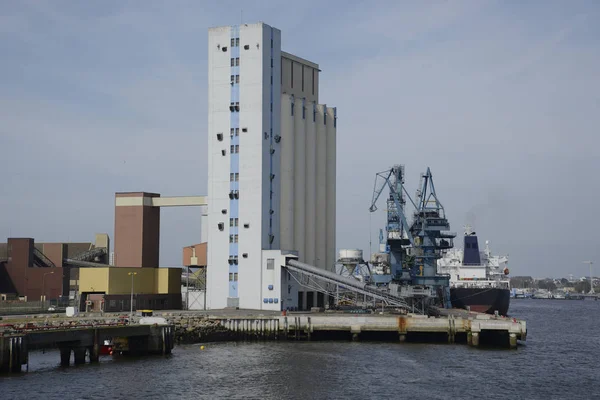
<point>128,236</point>
<point>56,252</point>
<point>137,234</point>
<point>27,279</point>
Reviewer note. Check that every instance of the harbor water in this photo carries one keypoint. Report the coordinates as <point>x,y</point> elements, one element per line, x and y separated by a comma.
<point>559,360</point>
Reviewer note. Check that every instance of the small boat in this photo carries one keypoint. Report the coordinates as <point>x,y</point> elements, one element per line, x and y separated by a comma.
<point>107,348</point>
<point>542,294</point>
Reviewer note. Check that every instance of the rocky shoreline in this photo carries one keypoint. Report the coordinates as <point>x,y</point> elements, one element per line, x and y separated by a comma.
<point>189,330</point>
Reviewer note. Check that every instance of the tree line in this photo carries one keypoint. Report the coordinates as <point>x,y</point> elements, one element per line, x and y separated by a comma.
<point>528,282</point>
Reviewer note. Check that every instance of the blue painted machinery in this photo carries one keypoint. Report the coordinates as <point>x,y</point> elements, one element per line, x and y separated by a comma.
<point>414,248</point>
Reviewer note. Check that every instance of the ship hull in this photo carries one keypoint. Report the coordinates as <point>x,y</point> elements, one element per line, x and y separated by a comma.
<point>484,300</point>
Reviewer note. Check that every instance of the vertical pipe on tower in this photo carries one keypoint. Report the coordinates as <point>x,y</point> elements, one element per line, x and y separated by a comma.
<point>286,222</point>
<point>321,173</point>
<point>311,195</point>
<point>300,117</point>
<point>331,185</point>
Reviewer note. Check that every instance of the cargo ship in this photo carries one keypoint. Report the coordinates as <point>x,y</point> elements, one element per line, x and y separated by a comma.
<point>478,280</point>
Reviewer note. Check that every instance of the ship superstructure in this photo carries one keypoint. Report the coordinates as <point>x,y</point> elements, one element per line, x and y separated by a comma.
<point>478,279</point>
<point>470,267</point>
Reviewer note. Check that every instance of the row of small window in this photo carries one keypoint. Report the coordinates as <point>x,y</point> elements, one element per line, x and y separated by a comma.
<point>235,62</point>
<point>246,46</point>
<point>234,106</point>
<point>233,277</point>
<point>233,238</point>
<point>236,132</point>
<point>234,177</point>
<point>234,259</point>
<point>235,149</point>
<point>235,79</point>
<point>235,42</point>
<point>233,221</point>
<point>234,194</point>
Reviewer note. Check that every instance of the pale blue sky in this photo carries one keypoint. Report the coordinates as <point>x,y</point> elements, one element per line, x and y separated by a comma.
<point>501,99</point>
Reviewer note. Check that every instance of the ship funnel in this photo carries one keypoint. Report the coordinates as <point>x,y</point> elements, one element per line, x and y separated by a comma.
<point>471,254</point>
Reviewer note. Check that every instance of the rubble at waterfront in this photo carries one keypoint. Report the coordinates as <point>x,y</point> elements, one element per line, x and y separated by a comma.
<point>188,329</point>
<point>196,329</point>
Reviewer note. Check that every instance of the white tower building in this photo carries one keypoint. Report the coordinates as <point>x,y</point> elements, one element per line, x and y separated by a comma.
<point>271,169</point>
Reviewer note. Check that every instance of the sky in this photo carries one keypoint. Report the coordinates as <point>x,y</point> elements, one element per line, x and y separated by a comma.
<point>500,98</point>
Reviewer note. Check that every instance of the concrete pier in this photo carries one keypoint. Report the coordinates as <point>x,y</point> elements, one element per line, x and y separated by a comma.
<point>13,353</point>
<point>473,328</point>
<point>83,342</point>
<point>80,339</point>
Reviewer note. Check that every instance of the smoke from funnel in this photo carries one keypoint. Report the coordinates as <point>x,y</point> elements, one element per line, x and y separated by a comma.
<point>470,218</point>
<point>493,204</point>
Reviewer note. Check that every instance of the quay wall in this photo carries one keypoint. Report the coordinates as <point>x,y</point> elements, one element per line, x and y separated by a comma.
<point>228,326</point>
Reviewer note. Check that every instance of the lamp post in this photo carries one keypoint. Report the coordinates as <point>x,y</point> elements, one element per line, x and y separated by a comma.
<point>44,288</point>
<point>591,277</point>
<point>131,302</point>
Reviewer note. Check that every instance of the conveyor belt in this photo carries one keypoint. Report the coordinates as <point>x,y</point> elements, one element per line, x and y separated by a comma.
<point>349,283</point>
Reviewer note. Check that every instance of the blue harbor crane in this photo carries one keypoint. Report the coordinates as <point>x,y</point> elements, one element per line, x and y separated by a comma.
<point>414,248</point>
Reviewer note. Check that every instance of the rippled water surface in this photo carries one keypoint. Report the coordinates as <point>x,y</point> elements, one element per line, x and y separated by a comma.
<point>559,360</point>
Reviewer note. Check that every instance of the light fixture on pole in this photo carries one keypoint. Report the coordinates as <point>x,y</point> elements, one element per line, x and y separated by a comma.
<point>131,302</point>
<point>591,277</point>
<point>44,286</point>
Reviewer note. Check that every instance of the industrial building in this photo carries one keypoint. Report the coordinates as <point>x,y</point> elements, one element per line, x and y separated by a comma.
<point>271,169</point>
<point>135,262</point>
<point>137,226</point>
<point>38,271</point>
<point>110,289</point>
<point>92,276</point>
<point>271,194</point>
